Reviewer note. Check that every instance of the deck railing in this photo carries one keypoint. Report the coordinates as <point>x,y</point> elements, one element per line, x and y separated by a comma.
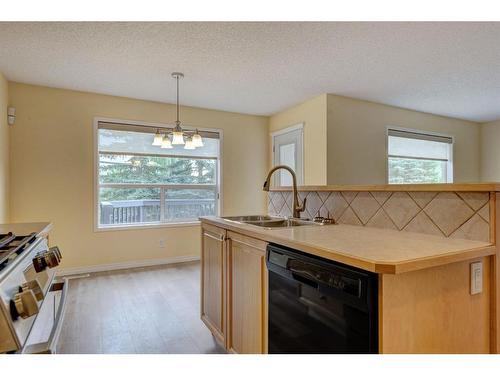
<point>149,210</point>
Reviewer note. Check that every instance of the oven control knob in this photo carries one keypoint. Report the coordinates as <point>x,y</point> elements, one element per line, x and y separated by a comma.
<point>39,262</point>
<point>35,287</point>
<point>25,303</point>
<point>56,250</point>
<point>52,258</point>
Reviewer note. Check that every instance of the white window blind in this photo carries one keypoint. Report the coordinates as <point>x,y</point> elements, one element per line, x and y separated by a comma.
<point>415,157</point>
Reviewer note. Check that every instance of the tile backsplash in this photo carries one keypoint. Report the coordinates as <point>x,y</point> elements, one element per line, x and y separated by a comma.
<point>449,214</point>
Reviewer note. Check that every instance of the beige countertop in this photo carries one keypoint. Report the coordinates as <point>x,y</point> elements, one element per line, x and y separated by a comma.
<point>376,250</point>
<point>42,228</point>
<point>480,186</point>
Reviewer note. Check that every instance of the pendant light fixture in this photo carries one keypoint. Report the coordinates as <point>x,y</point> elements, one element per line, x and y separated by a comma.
<point>165,143</point>
<point>189,144</point>
<point>193,139</point>
<point>158,138</point>
<point>177,134</point>
<point>197,141</point>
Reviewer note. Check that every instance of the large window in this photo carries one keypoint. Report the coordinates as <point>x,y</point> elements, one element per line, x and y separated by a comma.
<point>419,158</point>
<point>142,184</point>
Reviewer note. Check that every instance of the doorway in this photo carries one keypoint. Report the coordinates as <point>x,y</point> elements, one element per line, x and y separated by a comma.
<point>288,149</point>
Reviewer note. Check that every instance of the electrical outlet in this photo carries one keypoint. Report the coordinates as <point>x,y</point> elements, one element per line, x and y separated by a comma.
<point>162,243</point>
<point>476,278</point>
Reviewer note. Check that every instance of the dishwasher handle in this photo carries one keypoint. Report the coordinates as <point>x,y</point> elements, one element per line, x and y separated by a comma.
<point>327,277</point>
<point>304,280</point>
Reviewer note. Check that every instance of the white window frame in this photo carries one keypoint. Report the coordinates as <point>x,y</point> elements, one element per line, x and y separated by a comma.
<point>450,167</point>
<point>299,126</point>
<point>193,223</point>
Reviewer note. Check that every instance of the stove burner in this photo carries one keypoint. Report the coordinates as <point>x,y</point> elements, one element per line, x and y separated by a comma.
<point>11,246</point>
<point>6,238</point>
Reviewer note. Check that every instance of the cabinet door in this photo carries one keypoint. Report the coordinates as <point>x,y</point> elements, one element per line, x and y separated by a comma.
<point>247,295</point>
<point>213,287</point>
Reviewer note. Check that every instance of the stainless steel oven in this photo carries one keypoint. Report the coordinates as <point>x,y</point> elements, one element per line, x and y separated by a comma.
<point>31,299</point>
<point>47,326</point>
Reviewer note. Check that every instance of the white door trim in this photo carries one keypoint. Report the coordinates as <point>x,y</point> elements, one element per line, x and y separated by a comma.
<point>299,126</point>
<point>289,129</point>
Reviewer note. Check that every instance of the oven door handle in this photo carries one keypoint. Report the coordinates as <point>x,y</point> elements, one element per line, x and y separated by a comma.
<point>49,346</point>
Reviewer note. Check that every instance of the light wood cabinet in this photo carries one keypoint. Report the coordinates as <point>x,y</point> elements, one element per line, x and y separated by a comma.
<point>213,280</point>
<point>234,289</point>
<point>247,295</point>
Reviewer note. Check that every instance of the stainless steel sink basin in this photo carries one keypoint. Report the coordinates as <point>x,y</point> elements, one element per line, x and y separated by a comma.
<point>252,218</point>
<point>284,223</point>
<point>269,222</point>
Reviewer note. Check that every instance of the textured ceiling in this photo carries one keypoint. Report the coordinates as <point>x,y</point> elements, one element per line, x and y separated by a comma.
<point>451,69</point>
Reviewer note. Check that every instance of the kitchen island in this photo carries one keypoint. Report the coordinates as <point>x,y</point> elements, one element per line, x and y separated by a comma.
<point>426,301</point>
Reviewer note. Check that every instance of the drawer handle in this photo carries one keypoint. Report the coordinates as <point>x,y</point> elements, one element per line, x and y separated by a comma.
<point>220,237</point>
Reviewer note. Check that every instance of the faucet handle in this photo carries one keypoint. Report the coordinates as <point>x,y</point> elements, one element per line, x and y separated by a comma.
<point>302,207</point>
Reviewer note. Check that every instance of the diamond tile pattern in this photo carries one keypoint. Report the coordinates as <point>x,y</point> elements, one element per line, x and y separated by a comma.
<point>278,201</point>
<point>335,205</point>
<point>449,214</point>
<point>401,208</point>
<point>448,211</point>
<point>422,198</point>
<point>423,224</point>
<point>381,196</point>
<point>365,206</point>
<point>324,195</point>
<point>475,200</point>
<point>349,195</point>
<point>473,228</point>
<point>349,217</point>
<point>485,212</point>
<point>381,220</point>
<point>313,204</point>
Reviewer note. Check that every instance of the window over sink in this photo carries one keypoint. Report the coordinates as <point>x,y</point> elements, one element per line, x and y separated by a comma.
<point>139,184</point>
<point>415,157</point>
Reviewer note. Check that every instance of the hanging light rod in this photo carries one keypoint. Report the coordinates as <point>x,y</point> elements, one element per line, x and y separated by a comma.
<point>193,138</point>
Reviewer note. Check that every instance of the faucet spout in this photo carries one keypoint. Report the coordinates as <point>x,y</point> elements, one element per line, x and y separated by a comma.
<point>297,207</point>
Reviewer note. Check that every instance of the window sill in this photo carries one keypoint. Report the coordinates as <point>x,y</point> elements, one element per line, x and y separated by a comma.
<point>148,226</point>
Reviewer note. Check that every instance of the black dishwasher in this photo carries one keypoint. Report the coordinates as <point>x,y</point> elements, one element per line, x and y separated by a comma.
<point>319,306</point>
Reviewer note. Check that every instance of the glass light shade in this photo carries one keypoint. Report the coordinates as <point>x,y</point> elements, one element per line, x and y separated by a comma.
<point>197,140</point>
<point>177,138</point>
<point>165,143</point>
<point>189,144</point>
<point>158,139</point>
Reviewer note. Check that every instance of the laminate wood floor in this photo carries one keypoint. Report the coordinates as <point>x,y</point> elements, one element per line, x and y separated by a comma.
<point>145,310</point>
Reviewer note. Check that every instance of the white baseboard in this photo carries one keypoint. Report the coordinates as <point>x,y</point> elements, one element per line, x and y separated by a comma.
<point>125,265</point>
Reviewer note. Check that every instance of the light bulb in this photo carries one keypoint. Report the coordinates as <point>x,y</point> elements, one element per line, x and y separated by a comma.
<point>166,142</point>
<point>158,138</point>
<point>189,144</point>
<point>197,140</point>
<point>177,138</point>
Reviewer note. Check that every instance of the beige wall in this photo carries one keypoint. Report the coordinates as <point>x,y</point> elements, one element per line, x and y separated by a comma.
<point>490,151</point>
<point>4,151</point>
<point>52,170</point>
<point>357,140</point>
<point>313,114</point>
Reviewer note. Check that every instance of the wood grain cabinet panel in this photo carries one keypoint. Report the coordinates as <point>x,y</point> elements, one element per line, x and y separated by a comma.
<point>247,295</point>
<point>213,285</point>
<point>432,311</point>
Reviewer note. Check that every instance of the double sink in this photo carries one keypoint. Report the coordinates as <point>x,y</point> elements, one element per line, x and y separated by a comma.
<point>270,222</point>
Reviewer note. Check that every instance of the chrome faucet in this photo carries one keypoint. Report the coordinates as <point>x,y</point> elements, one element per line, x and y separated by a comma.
<point>297,208</point>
